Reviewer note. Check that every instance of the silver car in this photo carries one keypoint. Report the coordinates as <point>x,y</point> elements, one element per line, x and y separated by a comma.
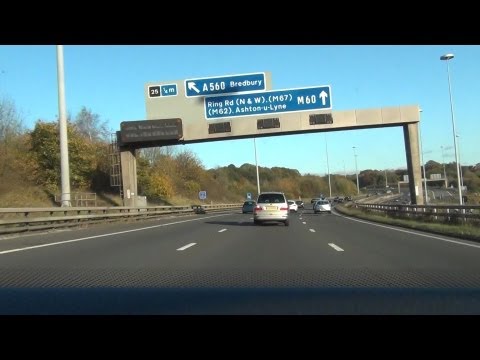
<point>271,206</point>
<point>322,206</point>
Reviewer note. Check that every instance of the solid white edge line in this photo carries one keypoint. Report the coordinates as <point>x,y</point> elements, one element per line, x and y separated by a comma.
<point>186,246</point>
<point>104,235</point>
<point>222,230</point>
<point>312,230</point>
<point>338,248</point>
<point>409,232</point>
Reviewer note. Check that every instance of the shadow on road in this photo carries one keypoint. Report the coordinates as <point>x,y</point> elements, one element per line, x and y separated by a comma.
<point>235,223</point>
<point>312,214</point>
<point>243,223</point>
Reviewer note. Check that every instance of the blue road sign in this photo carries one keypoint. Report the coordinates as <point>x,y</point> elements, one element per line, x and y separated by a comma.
<point>169,90</point>
<point>268,102</point>
<point>202,195</point>
<point>225,84</point>
<point>249,196</point>
<point>162,90</point>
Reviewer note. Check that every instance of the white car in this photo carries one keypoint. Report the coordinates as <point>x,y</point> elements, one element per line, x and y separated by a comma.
<point>271,206</point>
<point>292,205</point>
<point>322,206</point>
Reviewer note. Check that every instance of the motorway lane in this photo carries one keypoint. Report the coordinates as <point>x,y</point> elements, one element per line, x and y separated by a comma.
<point>272,246</point>
<point>379,246</point>
<point>114,245</point>
<point>230,250</point>
<point>63,234</point>
<point>225,242</point>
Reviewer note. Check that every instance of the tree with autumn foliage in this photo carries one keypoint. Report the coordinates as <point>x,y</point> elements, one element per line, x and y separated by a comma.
<point>88,158</point>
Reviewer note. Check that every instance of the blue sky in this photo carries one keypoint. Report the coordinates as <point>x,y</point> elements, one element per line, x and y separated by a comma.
<point>109,80</point>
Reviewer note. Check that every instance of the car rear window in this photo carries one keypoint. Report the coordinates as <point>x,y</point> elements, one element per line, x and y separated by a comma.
<point>271,198</point>
<point>249,203</point>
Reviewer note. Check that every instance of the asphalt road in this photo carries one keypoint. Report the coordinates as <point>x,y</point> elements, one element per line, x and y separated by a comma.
<point>227,251</point>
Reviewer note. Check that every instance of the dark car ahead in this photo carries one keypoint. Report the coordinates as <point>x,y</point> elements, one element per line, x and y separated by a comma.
<point>199,209</point>
<point>248,206</point>
<point>300,204</point>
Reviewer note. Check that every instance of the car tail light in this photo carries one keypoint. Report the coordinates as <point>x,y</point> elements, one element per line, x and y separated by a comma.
<point>284,208</point>
<point>258,208</point>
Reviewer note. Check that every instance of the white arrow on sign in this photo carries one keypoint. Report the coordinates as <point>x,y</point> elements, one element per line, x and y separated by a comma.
<point>191,86</point>
<point>323,95</point>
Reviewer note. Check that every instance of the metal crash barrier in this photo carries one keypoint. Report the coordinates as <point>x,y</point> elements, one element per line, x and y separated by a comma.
<point>13,220</point>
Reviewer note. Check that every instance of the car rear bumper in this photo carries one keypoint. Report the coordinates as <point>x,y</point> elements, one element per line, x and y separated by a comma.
<point>270,217</point>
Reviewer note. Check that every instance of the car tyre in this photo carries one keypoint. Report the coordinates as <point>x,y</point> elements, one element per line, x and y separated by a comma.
<point>286,222</point>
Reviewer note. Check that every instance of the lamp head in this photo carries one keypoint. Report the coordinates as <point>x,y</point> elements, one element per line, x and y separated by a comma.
<point>447,57</point>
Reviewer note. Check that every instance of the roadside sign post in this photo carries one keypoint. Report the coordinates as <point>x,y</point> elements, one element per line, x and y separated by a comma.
<point>202,195</point>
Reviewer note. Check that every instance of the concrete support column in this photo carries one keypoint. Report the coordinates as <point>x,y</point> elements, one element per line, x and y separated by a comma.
<point>412,149</point>
<point>129,176</point>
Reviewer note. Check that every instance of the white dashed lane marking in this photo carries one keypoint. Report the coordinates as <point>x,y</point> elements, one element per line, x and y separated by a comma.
<point>186,246</point>
<point>335,247</point>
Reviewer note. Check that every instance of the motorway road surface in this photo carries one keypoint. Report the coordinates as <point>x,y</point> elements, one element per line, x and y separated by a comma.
<point>324,263</point>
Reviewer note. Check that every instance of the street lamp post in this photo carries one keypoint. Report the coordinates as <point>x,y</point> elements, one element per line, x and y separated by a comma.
<point>328,167</point>
<point>446,58</point>
<point>423,163</point>
<point>356,170</point>
<point>444,171</point>
<point>460,161</point>
<point>62,119</point>
<point>256,164</point>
